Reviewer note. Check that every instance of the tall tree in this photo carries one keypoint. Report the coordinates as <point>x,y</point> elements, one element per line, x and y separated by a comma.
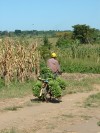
<point>84,33</point>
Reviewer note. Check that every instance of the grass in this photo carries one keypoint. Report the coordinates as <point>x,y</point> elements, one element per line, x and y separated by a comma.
<point>75,83</point>
<point>16,90</point>
<point>93,100</point>
<point>12,130</point>
<point>13,108</point>
<point>67,115</point>
<point>84,59</point>
<point>86,117</point>
<point>98,123</point>
<point>84,85</point>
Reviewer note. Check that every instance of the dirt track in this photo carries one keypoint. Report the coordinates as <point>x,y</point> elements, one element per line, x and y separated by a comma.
<point>68,116</point>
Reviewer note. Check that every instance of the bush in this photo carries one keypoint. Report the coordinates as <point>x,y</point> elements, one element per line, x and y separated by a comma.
<point>61,83</point>
<point>55,88</point>
<point>36,88</point>
<point>46,73</point>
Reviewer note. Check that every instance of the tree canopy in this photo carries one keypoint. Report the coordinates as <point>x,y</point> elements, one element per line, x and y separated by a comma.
<point>85,34</point>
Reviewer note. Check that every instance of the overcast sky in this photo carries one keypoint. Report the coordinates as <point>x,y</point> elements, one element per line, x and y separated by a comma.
<point>48,14</point>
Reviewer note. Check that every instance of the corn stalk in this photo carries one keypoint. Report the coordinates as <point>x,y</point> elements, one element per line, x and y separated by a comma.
<point>18,62</point>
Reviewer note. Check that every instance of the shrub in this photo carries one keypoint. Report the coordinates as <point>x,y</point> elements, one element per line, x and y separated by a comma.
<point>36,88</point>
<point>61,82</point>
<point>55,88</point>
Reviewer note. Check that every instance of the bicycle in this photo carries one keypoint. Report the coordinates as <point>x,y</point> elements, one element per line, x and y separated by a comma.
<point>45,91</point>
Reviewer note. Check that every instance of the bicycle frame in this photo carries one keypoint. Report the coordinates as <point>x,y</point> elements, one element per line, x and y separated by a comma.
<point>44,89</point>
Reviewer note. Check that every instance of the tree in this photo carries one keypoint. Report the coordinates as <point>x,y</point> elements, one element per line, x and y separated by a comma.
<point>5,33</point>
<point>84,33</point>
<point>17,32</point>
<point>46,42</point>
<point>65,40</point>
<point>45,49</point>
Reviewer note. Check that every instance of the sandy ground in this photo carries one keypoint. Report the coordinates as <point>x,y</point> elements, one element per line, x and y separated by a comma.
<point>31,116</point>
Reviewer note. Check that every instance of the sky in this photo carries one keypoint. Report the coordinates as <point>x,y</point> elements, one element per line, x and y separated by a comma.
<point>48,14</point>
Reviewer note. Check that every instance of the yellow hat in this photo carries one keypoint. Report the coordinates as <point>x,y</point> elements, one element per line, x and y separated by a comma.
<point>53,55</point>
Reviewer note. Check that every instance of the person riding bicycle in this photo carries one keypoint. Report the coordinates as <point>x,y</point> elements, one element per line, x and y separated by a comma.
<point>54,65</point>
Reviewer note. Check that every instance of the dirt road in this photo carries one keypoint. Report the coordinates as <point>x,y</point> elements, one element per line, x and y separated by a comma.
<point>68,116</point>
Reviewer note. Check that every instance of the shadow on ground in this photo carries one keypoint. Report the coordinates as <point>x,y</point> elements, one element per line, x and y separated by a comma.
<point>53,100</point>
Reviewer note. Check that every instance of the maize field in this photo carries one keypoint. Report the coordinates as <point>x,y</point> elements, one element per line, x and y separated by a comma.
<point>18,62</point>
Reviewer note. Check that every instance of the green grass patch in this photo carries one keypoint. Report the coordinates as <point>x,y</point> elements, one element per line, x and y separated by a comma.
<point>80,65</point>
<point>82,58</point>
<point>86,117</point>
<point>74,83</point>
<point>93,100</point>
<point>13,108</point>
<point>12,130</point>
<point>98,123</point>
<point>15,90</point>
<point>83,85</point>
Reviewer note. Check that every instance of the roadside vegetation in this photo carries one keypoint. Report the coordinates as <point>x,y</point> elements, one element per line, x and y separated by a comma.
<point>24,53</point>
<point>16,90</point>
<point>12,130</point>
<point>93,100</point>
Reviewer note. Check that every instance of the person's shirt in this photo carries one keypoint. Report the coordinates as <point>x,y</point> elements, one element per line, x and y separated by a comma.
<point>53,64</point>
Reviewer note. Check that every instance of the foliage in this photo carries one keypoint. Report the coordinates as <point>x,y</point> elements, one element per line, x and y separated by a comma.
<point>65,34</point>
<point>2,83</point>
<point>84,33</point>
<point>63,42</point>
<point>46,42</point>
<point>36,88</point>
<point>56,85</point>
<point>78,58</point>
<point>55,88</point>
<point>45,49</point>
<point>25,33</point>
<point>12,130</point>
<point>16,89</point>
<point>44,52</point>
<point>93,100</point>
<point>82,66</point>
<point>82,58</point>
<point>98,123</point>
<point>46,73</point>
<point>61,82</point>
<point>17,32</point>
